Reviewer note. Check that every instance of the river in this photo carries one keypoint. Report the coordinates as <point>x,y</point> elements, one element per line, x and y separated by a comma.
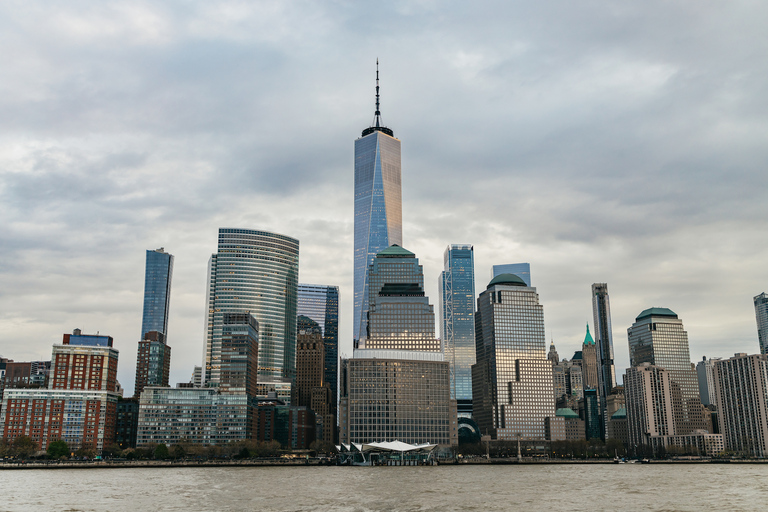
<point>587,487</point>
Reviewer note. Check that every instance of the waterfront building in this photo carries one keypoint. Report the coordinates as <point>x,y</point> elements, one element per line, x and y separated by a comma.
<point>80,403</point>
<point>512,384</point>
<point>153,362</point>
<point>657,337</point>
<point>254,272</point>
<point>157,292</point>
<point>378,206</point>
<point>396,386</point>
<point>705,373</point>
<point>457,321</point>
<point>761,315</point>
<point>127,422</point>
<point>521,270</point>
<point>574,426</point>
<point>291,425</point>
<point>601,313</point>
<point>741,394</point>
<point>195,415</point>
<point>650,403</point>
<point>321,304</point>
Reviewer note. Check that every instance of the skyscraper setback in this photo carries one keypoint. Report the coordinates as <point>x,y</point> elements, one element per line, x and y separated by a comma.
<point>378,205</point>
<point>457,322</point>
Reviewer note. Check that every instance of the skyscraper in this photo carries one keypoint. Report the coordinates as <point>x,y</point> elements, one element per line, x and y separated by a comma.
<point>157,292</point>
<point>512,388</point>
<point>589,362</point>
<point>321,304</point>
<point>254,272</point>
<point>657,337</point>
<point>601,312</point>
<point>521,270</point>
<point>378,205</point>
<point>761,315</point>
<point>457,325</point>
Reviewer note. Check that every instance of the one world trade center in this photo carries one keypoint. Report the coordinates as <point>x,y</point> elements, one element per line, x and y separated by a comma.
<point>378,206</point>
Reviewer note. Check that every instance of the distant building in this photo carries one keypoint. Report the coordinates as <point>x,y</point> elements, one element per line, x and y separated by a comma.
<point>521,270</point>
<point>657,337</point>
<point>157,292</point>
<point>311,390</point>
<point>457,321</point>
<point>617,426</point>
<point>650,403</point>
<point>80,404</point>
<point>574,426</point>
<point>291,425</point>
<point>593,424</point>
<point>741,393</point>
<point>127,423</point>
<point>512,384</point>
<point>761,315</point>
<point>153,362</point>
<point>705,373</point>
<point>589,362</point>
<point>601,312</point>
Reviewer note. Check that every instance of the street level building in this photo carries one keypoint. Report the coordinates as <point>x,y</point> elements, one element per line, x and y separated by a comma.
<point>378,206</point>
<point>457,325</point>
<point>512,384</point>
<point>657,337</point>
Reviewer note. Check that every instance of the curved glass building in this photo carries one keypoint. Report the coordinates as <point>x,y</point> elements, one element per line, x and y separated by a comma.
<point>254,272</point>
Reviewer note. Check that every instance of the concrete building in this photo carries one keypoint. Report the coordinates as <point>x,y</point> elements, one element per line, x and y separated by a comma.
<point>657,337</point>
<point>575,429</point>
<point>291,425</point>
<point>741,393</point>
<point>589,362</point>
<point>153,362</point>
<point>705,373</point>
<point>311,390</point>
<point>512,383</point>
<point>618,427</point>
<point>651,403</point>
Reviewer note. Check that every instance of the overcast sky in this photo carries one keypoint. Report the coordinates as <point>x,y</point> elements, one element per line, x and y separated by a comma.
<point>618,142</point>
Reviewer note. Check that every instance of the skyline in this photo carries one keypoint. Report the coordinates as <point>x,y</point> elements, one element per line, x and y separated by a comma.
<point>628,144</point>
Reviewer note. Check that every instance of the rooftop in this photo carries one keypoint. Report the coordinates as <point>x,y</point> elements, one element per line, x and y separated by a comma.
<point>656,312</point>
<point>507,279</point>
<point>395,251</point>
<point>566,413</point>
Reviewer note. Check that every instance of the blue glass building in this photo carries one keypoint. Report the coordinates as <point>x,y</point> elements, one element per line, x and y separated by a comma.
<point>378,206</point>
<point>254,272</point>
<point>457,326</point>
<point>321,304</point>
<point>521,270</point>
<point>157,292</point>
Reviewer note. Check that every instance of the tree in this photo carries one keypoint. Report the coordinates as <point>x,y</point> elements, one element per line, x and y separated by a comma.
<point>24,446</point>
<point>161,452</point>
<point>58,449</point>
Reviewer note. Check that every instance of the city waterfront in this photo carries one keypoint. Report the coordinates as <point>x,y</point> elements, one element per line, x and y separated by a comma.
<point>488,488</point>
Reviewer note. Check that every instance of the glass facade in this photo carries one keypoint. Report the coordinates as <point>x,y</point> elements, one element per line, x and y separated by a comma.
<point>761,315</point>
<point>254,272</point>
<point>378,211</point>
<point>512,383</point>
<point>321,304</point>
<point>521,270</point>
<point>457,326</point>
<point>657,337</point>
<point>157,292</point>
<point>601,313</point>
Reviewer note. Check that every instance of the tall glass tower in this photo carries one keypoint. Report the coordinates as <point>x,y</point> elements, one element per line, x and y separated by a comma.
<point>761,315</point>
<point>157,292</point>
<point>321,304</point>
<point>254,272</point>
<point>378,205</point>
<point>457,326</point>
<point>601,313</point>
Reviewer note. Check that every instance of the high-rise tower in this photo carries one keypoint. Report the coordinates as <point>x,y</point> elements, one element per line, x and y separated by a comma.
<point>761,315</point>
<point>157,292</point>
<point>253,272</point>
<point>321,304</point>
<point>457,325</point>
<point>601,312</point>
<point>378,205</point>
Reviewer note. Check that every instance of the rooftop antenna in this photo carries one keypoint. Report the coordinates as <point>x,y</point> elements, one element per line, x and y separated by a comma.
<point>377,115</point>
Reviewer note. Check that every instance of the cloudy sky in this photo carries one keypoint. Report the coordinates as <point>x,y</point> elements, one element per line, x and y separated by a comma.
<point>618,142</point>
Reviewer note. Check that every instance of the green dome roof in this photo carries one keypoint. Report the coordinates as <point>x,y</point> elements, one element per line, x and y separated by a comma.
<point>656,312</point>
<point>395,251</point>
<point>566,413</point>
<point>509,279</point>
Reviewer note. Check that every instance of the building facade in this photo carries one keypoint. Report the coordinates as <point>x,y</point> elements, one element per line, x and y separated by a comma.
<point>457,321</point>
<point>761,315</point>
<point>705,373</point>
<point>601,313</point>
<point>521,270</point>
<point>657,337</point>
<point>378,206</point>
<point>650,403</point>
<point>512,380</point>
<point>589,362</point>
<point>254,272</point>
<point>741,394</point>
<point>157,292</point>
<point>153,362</point>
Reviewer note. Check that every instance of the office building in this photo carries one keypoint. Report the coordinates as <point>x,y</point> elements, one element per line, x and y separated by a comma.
<point>397,384</point>
<point>521,270</point>
<point>705,373</point>
<point>80,404</point>
<point>321,304</point>
<point>657,337</point>
<point>593,424</point>
<point>292,426</point>
<point>127,422</point>
<point>512,384</point>
<point>601,313</point>
<point>157,292</point>
<point>153,362</point>
<point>457,321</point>
<point>761,315</point>
<point>741,394</point>
<point>650,403</point>
<point>254,272</point>
<point>589,362</point>
<point>378,205</point>
<point>311,389</point>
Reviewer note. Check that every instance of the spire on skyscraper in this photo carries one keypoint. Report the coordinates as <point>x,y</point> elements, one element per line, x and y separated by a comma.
<point>377,123</point>
<point>588,338</point>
